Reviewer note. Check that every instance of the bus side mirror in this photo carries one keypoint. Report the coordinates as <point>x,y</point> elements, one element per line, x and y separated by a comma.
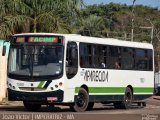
<point>4,51</point>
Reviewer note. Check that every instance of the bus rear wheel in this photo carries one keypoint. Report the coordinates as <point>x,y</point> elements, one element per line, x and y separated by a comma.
<point>31,107</point>
<point>128,97</point>
<point>81,101</point>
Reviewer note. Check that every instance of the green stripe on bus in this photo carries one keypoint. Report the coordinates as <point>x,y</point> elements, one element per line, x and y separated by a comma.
<point>116,90</point>
<point>103,90</point>
<point>41,84</point>
<point>143,90</point>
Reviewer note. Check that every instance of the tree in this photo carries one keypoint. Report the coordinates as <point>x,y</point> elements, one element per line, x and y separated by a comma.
<point>92,26</point>
<point>37,15</point>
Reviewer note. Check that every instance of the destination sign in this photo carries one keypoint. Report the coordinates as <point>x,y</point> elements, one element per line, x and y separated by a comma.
<point>38,39</point>
<point>43,39</point>
<point>20,40</point>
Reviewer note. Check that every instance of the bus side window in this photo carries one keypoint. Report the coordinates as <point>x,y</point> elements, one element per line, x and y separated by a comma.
<point>71,60</point>
<point>141,59</point>
<point>115,57</point>
<point>4,51</point>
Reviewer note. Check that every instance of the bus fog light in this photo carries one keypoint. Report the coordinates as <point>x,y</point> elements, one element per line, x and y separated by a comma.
<point>52,88</point>
<point>10,85</point>
<point>56,86</point>
<point>60,84</point>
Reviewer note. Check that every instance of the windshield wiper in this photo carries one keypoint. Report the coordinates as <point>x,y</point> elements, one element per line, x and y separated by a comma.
<point>21,77</point>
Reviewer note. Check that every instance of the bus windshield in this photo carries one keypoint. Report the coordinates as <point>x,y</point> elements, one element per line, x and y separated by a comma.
<point>35,61</point>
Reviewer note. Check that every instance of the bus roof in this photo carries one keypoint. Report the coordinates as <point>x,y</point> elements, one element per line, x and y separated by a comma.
<point>96,40</point>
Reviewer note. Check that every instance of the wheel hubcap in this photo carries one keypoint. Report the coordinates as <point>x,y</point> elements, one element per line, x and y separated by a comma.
<point>80,100</point>
<point>128,98</point>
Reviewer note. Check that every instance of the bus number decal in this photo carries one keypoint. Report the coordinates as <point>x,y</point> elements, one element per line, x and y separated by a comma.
<point>96,76</point>
<point>20,84</point>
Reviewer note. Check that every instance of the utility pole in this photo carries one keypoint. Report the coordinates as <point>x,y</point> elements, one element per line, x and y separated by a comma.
<point>132,31</point>
<point>152,29</point>
<point>159,64</point>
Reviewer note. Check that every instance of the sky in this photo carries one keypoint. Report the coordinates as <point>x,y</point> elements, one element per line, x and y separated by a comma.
<point>151,3</point>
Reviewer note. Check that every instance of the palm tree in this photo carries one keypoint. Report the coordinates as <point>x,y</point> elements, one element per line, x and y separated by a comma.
<point>37,15</point>
<point>92,26</point>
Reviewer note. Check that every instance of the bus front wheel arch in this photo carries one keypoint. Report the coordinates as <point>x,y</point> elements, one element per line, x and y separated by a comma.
<point>81,101</point>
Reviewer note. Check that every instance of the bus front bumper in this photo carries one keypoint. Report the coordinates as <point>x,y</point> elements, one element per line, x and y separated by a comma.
<point>55,96</point>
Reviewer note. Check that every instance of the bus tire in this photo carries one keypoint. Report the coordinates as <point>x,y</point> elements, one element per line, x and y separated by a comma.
<point>127,100</point>
<point>81,101</point>
<point>31,106</point>
<point>90,105</point>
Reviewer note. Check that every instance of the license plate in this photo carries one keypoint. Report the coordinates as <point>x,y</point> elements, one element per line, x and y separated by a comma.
<point>52,98</point>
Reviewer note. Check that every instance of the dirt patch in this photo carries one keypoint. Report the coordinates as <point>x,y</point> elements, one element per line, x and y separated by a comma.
<point>11,103</point>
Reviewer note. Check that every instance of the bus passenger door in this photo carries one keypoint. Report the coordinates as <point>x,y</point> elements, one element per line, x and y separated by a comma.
<point>71,60</point>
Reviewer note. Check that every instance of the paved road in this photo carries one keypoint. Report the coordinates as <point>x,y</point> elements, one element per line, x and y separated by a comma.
<point>99,112</point>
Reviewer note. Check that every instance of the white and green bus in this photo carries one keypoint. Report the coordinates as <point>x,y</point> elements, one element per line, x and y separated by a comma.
<point>78,71</point>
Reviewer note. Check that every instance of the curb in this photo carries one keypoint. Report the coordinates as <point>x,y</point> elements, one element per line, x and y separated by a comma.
<point>156,97</point>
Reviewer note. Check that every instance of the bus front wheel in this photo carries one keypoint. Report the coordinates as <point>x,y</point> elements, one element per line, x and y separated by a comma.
<point>31,107</point>
<point>81,101</point>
